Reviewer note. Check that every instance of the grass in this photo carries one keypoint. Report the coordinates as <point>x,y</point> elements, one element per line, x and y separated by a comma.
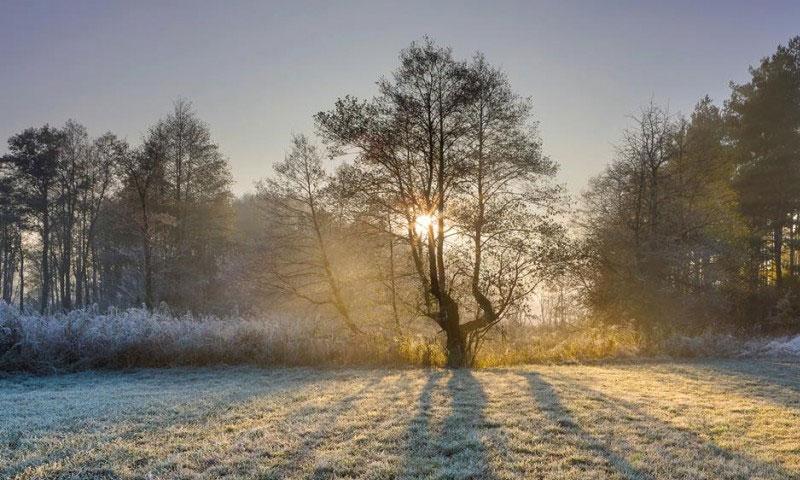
<point>710,419</point>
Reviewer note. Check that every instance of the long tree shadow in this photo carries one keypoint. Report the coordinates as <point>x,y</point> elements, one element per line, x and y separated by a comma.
<point>761,378</point>
<point>776,382</point>
<point>364,435</point>
<point>140,419</point>
<point>456,450</point>
<point>324,420</point>
<point>555,412</point>
<point>674,451</point>
<point>419,455</point>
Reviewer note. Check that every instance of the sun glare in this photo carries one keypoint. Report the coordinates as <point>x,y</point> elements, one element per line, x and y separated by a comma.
<point>422,223</point>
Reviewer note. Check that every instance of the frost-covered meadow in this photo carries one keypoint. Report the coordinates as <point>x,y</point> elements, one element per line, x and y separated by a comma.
<point>710,419</point>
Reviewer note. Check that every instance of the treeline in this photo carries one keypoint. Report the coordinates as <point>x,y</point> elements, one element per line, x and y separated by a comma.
<point>440,216</point>
<point>694,225</point>
<point>97,221</point>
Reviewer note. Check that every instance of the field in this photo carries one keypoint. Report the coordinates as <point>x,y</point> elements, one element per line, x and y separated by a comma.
<point>711,419</point>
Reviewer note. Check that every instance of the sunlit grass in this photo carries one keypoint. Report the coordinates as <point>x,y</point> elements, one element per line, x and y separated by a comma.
<point>702,420</point>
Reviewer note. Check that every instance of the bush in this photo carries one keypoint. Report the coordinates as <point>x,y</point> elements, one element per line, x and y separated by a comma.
<point>86,339</point>
<point>561,345</point>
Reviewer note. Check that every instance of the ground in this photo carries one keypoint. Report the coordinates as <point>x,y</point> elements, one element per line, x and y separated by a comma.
<point>713,419</point>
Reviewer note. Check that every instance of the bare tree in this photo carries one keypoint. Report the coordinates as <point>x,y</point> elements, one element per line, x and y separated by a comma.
<point>143,170</point>
<point>438,127</point>
<point>99,176</point>
<point>301,264</point>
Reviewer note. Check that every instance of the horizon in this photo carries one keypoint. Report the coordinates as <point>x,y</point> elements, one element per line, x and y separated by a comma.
<point>118,67</point>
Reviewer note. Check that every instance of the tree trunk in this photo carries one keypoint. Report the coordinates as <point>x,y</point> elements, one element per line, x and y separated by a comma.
<point>4,262</point>
<point>95,296</point>
<point>80,263</point>
<point>455,343</point>
<point>456,351</point>
<point>392,281</point>
<point>148,256</point>
<point>79,282</point>
<point>45,258</point>
<point>21,277</point>
<point>777,254</point>
<point>148,271</point>
<point>791,247</point>
<point>9,264</point>
<point>66,265</point>
<point>336,294</point>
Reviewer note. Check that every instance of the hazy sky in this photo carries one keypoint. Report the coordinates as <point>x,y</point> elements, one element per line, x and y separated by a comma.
<point>258,71</point>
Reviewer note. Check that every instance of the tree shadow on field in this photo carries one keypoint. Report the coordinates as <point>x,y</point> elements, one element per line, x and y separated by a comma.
<point>455,450</point>
<point>324,422</point>
<point>667,450</point>
<point>164,402</point>
<point>757,378</point>
<point>565,425</point>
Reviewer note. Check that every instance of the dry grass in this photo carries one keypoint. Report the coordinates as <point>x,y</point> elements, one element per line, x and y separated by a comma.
<point>135,338</point>
<point>720,419</point>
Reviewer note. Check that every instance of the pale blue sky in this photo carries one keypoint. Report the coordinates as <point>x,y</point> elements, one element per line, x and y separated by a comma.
<point>258,71</point>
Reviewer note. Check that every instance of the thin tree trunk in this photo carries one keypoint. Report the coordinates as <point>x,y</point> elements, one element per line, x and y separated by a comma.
<point>8,264</point>
<point>4,262</point>
<point>393,281</point>
<point>66,265</point>
<point>148,271</point>
<point>336,294</point>
<point>147,253</point>
<point>95,267</point>
<point>21,277</point>
<point>43,304</point>
<point>777,254</point>
<point>791,247</point>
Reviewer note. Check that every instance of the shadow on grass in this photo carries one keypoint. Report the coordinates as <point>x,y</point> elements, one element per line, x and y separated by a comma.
<point>674,452</point>
<point>555,412</point>
<point>756,378</point>
<point>454,450</point>
<point>161,412</point>
<point>324,420</point>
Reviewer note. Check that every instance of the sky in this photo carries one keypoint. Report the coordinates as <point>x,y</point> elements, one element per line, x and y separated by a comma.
<point>258,71</point>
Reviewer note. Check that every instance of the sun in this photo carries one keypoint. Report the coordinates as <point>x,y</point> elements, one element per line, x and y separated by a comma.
<point>421,224</point>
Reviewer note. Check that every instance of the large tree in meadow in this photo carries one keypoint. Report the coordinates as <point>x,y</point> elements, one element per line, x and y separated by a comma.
<point>448,152</point>
<point>143,179</point>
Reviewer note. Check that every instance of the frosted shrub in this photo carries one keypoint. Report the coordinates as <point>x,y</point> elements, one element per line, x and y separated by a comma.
<point>776,347</point>
<point>138,338</point>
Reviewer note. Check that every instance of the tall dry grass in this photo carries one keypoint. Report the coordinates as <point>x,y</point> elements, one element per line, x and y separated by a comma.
<point>87,339</point>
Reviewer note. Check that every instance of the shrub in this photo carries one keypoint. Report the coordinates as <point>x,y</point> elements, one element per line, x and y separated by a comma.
<point>129,338</point>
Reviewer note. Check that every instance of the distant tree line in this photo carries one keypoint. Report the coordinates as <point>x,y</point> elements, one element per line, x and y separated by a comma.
<point>694,225</point>
<point>95,221</point>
